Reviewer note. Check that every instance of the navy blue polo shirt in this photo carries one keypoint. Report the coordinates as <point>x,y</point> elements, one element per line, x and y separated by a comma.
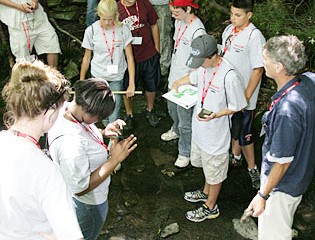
<point>290,136</point>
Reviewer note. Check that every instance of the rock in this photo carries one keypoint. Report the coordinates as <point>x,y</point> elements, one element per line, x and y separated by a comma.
<point>71,70</point>
<point>247,229</point>
<point>160,157</point>
<point>170,229</point>
<point>69,13</point>
<point>53,3</point>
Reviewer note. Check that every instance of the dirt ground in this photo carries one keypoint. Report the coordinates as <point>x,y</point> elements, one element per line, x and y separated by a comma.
<point>147,194</point>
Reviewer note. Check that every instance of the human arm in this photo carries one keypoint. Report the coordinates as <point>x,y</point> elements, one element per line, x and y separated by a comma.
<point>113,129</point>
<point>27,8</point>
<point>156,36</point>
<point>119,151</point>
<point>85,63</point>
<point>131,71</point>
<point>214,115</point>
<point>257,205</point>
<point>254,80</point>
<point>180,82</point>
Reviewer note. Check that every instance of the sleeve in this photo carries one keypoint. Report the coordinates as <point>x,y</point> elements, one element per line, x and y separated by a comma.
<point>193,77</point>
<point>88,38</point>
<point>286,133</point>
<point>73,160</point>
<point>57,205</point>
<point>127,36</point>
<point>256,47</point>
<point>152,15</point>
<point>234,91</point>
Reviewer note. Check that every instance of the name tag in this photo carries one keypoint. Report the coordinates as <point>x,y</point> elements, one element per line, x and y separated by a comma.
<point>137,41</point>
<point>112,68</point>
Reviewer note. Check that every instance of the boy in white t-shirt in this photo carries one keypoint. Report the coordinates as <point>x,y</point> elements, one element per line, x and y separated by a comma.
<point>187,27</point>
<point>221,93</point>
<point>242,45</point>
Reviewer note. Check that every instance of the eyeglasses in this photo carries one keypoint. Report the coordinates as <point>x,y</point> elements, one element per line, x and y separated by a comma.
<point>51,104</point>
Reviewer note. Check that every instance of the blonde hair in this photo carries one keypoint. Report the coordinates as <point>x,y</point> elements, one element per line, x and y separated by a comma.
<point>33,88</point>
<point>109,7</point>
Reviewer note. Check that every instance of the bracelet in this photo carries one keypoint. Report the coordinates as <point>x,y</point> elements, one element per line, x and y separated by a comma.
<point>263,196</point>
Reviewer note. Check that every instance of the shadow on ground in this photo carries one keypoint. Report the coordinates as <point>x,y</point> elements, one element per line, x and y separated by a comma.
<point>147,194</point>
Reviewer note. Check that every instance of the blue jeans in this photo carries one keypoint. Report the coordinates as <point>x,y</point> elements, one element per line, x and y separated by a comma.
<point>115,86</point>
<point>181,126</point>
<point>91,218</point>
<point>91,12</point>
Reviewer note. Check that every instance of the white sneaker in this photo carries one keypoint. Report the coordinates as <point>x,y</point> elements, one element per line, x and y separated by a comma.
<point>169,135</point>
<point>182,161</point>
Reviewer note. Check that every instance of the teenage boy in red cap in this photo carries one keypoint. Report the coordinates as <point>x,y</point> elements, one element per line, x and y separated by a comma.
<point>243,47</point>
<point>187,27</point>
<point>141,18</point>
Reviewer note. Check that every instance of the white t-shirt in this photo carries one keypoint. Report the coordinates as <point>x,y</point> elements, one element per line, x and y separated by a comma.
<point>33,195</point>
<point>225,92</point>
<point>95,41</point>
<point>159,2</point>
<point>13,18</point>
<point>78,155</point>
<point>178,65</point>
<point>245,54</point>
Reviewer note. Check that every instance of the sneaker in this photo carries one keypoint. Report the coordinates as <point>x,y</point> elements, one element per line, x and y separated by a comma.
<point>255,177</point>
<point>182,161</point>
<point>203,213</point>
<point>235,162</point>
<point>150,115</point>
<point>129,122</point>
<point>169,135</point>
<point>196,196</point>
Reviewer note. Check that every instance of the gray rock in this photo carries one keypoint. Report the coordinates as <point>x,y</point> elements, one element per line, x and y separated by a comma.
<point>71,70</point>
<point>247,229</point>
<point>170,229</point>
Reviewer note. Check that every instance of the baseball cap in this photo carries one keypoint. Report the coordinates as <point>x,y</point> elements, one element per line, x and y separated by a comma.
<point>201,47</point>
<point>183,3</point>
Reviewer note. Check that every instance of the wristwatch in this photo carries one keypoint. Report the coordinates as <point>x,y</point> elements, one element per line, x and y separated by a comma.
<point>263,196</point>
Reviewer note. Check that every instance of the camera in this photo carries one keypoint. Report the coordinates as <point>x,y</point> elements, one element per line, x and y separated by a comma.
<point>204,113</point>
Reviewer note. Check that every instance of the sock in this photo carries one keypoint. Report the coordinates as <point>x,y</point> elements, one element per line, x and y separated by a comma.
<point>253,168</point>
<point>238,157</point>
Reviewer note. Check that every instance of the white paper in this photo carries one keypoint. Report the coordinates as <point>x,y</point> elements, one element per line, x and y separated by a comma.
<point>186,96</point>
<point>136,41</point>
<point>112,68</point>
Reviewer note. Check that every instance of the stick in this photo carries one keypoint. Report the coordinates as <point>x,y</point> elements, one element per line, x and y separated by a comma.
<point>53,21</point>
<point>116,92</point>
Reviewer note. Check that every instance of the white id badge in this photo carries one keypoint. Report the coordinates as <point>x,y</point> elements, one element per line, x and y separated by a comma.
<point>112,68</point>
<point>136,41</point>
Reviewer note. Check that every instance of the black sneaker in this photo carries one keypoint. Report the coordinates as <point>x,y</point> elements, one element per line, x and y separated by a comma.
<point>152,118</point>
<point>129,122</point>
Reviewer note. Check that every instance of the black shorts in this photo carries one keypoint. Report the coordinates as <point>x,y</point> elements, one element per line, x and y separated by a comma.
<point>149,72</point>
<point>242,127</point>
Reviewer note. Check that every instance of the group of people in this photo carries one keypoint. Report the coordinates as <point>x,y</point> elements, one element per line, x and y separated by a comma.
<point>122,47</point>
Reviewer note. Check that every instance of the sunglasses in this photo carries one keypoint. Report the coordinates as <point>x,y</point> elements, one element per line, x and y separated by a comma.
<point>52,104</point>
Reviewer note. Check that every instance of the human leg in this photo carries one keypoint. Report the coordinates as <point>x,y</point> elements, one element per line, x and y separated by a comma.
<point>184,129</point>
<point>277,219</point>
<point>91,12</point>
<point>116,86</point>
<point>52,59</point>
<point>91,218</point>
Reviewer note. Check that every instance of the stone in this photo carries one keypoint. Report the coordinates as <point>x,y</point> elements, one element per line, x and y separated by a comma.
<point>170,229</point>
<point>71,70</point>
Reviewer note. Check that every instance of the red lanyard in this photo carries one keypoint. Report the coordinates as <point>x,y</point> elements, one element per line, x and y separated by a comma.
<point>26,29</point>
<point>231,37</point>
<point>204,89</point>
<point>273,103</point>
<point>182,34</point>
<point>28,137</point>
<point>111,52</point>
<point>136,23</point>
<point>87,128</point>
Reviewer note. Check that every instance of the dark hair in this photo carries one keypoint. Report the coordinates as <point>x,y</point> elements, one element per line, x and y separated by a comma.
<point>33,88</point>
<point>95,97</point>
<point>247,5</point>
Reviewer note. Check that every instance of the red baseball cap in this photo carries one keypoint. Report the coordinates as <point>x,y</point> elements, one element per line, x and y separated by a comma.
<point>183,3</point>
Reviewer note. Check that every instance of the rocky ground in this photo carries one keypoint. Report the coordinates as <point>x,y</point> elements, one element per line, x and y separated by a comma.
<point>147,194</point>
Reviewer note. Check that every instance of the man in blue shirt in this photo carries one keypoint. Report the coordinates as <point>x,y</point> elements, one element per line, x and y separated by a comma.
<point>288,153</point>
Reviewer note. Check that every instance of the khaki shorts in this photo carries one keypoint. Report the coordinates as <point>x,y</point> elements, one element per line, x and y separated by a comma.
<point>42,36</point>
<point>215,168</point>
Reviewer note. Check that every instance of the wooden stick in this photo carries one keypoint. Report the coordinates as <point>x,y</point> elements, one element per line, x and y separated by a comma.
<point>116,92</point>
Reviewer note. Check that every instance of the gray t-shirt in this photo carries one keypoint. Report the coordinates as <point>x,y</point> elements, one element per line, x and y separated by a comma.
<point>95,41</point>
<point>245,54</point>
